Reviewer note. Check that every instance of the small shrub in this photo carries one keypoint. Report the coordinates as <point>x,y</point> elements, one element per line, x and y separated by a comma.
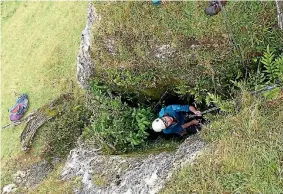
<point>199,90</point>
<point>116,127</point>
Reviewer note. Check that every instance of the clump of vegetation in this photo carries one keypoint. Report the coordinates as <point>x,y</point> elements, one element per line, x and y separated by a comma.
<point>60,134</point>
<point>269,72</point>
<point>273,66</point>
<point>116,126</point>
<point>78,182</point>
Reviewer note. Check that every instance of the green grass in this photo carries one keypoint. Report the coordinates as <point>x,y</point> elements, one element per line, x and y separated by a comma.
<point>40,42</point>
<point>139,28</point>
<point>245,155</point>
<point>99,180</point>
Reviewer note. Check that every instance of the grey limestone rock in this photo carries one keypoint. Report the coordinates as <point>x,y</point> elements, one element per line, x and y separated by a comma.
<point>164,51</point>
<point>84,63</point>
<point>11,188</point>
<point>117,174</point>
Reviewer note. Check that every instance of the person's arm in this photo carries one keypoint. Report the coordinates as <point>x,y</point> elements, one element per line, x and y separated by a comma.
<point>185,108</point>
<point>194,110</point>
<point>193,122</point>
<point>186,125</point>
<point>180,108</point>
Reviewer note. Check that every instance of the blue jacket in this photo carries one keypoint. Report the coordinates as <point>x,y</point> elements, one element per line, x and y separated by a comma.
<point>177,112</point>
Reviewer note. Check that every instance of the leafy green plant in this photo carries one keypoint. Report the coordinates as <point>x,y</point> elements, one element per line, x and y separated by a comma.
<point>116,127</point>
<point>254,81</point>
<point>270,73</point>
<point>199,90</point>
<point>273,66</point>
<point>226,106</point>
<point>279,64</point>
<point>141,119</point>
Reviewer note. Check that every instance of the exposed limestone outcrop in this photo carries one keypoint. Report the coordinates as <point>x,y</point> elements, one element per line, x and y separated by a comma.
<point>279,6</point>
<point>84,64</point>
<point>11,188</point>
<point>117,174</point>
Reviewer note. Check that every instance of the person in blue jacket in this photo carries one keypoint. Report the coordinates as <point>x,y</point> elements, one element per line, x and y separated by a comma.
<point>172,119</point>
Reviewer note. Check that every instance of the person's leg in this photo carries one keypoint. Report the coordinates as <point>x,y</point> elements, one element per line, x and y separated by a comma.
<point>193,129</point>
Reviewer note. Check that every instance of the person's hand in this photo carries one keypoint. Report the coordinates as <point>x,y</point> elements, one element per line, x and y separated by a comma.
<point>198,113</point>
<point>195,122</point>
<point>184,132</point>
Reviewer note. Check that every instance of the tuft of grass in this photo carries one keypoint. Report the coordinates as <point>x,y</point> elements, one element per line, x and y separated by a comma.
<point>78,182</point>
<point>99,180</point>
<point>245,154</point>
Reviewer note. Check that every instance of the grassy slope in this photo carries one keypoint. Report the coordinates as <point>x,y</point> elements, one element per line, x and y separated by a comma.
<point>40,41</point>
<point>139,29</point>
<point>245,155</point>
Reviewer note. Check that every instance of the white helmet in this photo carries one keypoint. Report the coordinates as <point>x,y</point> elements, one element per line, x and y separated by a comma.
<point>158,125</point>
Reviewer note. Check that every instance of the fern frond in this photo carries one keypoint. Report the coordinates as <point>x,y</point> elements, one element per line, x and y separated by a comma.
<point>267,58</point>
<point>271,67</point>
<point>279,63</point>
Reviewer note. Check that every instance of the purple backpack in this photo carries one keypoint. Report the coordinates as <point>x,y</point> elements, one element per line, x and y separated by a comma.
<point>19,109</point>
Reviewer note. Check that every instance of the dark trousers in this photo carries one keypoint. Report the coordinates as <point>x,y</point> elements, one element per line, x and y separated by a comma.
<point>194,128</point>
